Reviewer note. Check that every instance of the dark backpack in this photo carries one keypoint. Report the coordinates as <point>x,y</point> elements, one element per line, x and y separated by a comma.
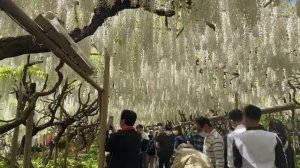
<point>151,150</point>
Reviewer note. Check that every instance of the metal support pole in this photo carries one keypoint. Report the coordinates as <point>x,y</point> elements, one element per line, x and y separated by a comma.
<point>103,113</point>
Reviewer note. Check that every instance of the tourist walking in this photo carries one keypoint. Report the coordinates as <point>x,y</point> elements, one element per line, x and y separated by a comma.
<point>124,146</point>
<point>235,119</point>
<point>165,142</point>
<point>257,148</point>
<point>213,142</point>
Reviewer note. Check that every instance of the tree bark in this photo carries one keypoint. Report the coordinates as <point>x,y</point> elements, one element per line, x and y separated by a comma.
<point>28,137</point>
<point>28,141</point>
<point>14,146</point>
<point>16,46</point>
<point>57,142</point>
<point>67,148</point>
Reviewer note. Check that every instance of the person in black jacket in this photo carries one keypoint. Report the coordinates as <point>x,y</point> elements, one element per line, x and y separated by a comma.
<point>144,145</point>
<point>165,142</point>
<point>125,145</point>
<point>277,127</point>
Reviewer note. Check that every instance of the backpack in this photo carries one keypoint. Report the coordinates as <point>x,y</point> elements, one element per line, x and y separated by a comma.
<point>151,149</point>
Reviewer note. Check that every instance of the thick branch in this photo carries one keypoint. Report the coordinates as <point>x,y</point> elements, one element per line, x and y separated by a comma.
<point>6,127</point>
<point>16,46</point>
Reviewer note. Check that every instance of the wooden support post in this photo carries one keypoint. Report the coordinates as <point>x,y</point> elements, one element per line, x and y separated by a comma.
<point>28,137</point>
<point>103,113</point>
<point>294,132</point>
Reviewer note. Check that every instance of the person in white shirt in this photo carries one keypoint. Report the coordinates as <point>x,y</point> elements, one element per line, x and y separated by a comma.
<point>235,119</point>
<point>257,148</point>
<point>213,142</point>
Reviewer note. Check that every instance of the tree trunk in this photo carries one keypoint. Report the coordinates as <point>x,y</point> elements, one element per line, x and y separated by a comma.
<point>55,154</point>
<point>14,146</point>
<point>67,148</point>
<point>78,144</point>
<point>236,100</point>
<point>57,143</point>
<point>28,137</point>
<point>28,141</point>
<point>44,145</point>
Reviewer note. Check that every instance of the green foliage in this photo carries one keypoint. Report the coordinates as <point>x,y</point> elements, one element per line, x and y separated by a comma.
<point>7,72</point>
<point>197,56</point>
<point>36,71</point>
<point>76,163</point>
<point>298,162</point>
<point>3,164</point>
<point>95,56</point>
<point>90,160</point>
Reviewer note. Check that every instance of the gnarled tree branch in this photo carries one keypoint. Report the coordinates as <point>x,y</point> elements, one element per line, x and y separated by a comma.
<point>16,46</point>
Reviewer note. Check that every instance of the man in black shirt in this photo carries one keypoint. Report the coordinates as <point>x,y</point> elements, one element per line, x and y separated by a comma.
<point>125,145</point>
<point>165,142</point>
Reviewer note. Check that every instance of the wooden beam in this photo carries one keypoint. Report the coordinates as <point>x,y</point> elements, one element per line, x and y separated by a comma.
<point>57,33</point>
<point>266,110</point>
<point>33,28</point>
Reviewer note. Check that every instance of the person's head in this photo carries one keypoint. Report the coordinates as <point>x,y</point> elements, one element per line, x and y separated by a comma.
<point>128,118</point>
<point>151,134</point>
<point>203,126</point>
<point>252,115</point>
<point>277,127</point>
<point>140,128</point>
<point>168,127</point>
<point>178,130</point>
<point>235,117</point>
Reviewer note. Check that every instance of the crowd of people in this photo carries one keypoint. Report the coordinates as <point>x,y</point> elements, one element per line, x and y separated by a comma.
<point>247,144</point>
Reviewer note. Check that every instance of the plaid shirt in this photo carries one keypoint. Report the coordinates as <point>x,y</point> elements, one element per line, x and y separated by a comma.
<point>196,140</point>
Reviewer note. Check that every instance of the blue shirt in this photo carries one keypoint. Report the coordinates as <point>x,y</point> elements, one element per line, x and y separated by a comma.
<point>179,140</point>
<point>196,140</point>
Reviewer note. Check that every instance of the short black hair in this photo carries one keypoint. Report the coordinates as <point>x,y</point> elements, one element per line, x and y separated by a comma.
<point>252,112</point>
<point>168,127</point>
<point>236,115</point>
<point>279,128</point>
<point>140,126</point>
<point>129,117</point>
<point>201,121</point>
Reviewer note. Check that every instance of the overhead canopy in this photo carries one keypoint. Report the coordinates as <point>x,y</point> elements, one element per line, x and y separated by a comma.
<point>194,61</point>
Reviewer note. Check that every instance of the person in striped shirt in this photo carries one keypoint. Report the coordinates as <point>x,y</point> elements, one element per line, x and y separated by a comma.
<point>213,142</point>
